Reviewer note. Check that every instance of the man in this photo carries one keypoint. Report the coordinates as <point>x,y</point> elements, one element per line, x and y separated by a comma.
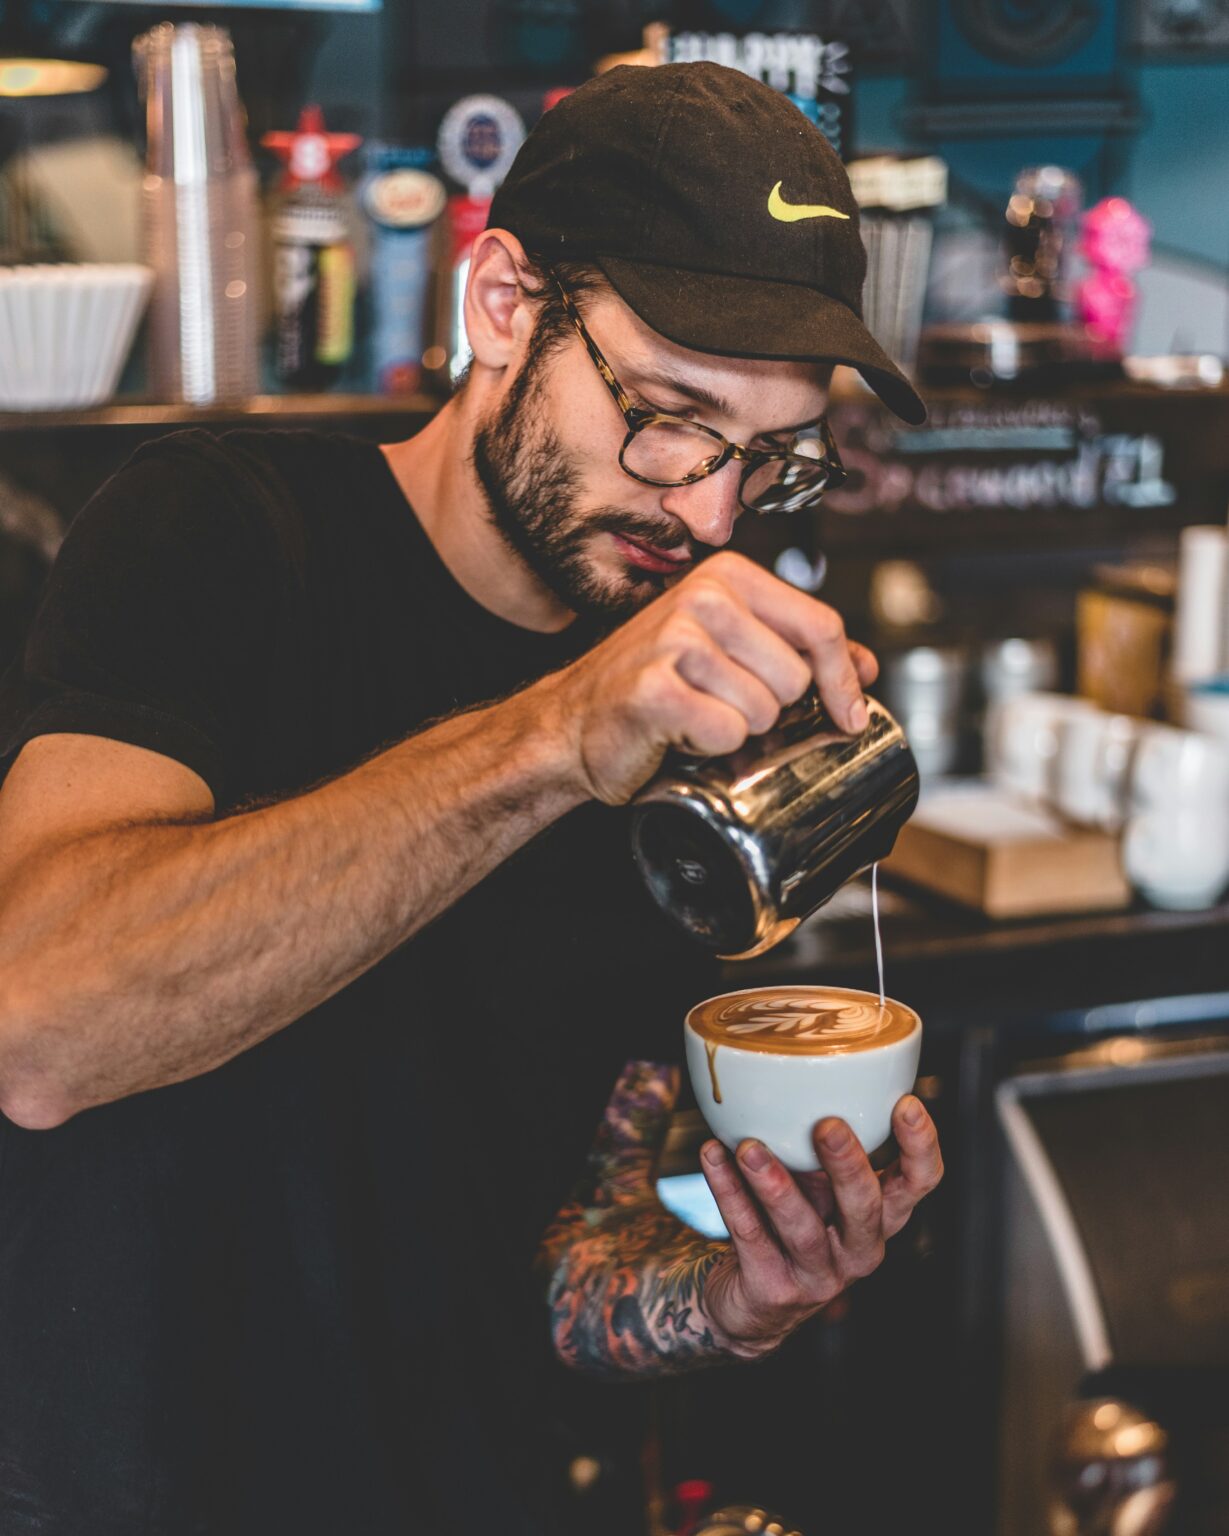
<point>319,969</point>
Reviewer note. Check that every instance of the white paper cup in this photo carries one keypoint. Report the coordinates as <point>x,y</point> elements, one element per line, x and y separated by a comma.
<point>778,1098</point>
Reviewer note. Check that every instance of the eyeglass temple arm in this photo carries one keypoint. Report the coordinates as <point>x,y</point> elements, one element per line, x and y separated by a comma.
<point>631,414</point>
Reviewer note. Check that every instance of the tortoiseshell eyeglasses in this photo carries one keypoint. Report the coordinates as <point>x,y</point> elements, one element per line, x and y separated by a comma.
<point>666,450</point>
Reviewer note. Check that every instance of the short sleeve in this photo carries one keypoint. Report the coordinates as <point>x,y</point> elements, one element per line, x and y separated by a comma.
<point>157,616</point>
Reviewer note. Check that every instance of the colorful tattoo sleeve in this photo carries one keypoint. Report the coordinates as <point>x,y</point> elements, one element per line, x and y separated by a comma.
<point>626,1279</point>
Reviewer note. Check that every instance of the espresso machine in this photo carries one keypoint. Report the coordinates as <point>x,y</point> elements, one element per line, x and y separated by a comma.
<point>1114,1393</point>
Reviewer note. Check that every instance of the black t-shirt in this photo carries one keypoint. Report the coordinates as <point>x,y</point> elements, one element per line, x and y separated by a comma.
<point>296,1294</point>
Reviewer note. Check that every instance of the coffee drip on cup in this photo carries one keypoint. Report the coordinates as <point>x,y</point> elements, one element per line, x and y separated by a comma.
<point>771,1062</point>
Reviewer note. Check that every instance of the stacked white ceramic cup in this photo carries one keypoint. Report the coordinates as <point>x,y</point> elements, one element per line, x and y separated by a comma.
<point>1166,790</point>
<point>1176,845</point>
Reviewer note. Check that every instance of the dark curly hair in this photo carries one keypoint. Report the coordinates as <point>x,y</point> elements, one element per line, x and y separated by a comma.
<point>582,280</point>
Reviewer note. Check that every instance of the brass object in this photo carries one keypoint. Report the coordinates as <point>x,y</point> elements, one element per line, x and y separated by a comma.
<point>1110,1473</point>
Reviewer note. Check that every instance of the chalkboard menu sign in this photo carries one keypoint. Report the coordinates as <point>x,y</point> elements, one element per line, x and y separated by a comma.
<point>1010,457</point>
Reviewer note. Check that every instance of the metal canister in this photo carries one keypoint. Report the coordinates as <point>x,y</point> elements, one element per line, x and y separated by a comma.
<point>739,849</point>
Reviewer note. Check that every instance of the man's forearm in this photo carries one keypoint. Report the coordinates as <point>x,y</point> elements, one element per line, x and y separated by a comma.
<point>626,1278</point>
<point>144,955</point>
<point>628,1298</point>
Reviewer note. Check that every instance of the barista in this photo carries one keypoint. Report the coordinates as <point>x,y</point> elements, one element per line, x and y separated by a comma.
<point>320,969</point>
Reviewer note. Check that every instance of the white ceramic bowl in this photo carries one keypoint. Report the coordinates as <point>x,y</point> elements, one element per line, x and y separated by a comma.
<point>778,1098</point>
<point>65,332</point>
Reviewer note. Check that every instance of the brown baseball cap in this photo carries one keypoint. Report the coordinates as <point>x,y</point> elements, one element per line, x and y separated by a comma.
<point>716,209</point>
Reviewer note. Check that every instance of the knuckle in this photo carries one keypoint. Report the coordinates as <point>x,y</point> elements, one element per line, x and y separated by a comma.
<point>655,690</point>
<point>814,1253</point>
<point>685,633</point>
<point>781,1294</point>
<point>822,1289</point>
<point>706,599</point>
<point>861,1222</point>
<point>800,680</point>
<point>745,1228</point>
<point>647,684</point>
<point>829,625</point>
<point>765,713</point>
<point>861,1265</point>
<point>730,739</point>
<point>726,562</point>
<point>864,1208</point>
<point>780,1186</point>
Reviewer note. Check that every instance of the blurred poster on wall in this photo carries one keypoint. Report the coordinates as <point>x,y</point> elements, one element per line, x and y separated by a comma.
<point>816,73</point>
<point>881,34</point>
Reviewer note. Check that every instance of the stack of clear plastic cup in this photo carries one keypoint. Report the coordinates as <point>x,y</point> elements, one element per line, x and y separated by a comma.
<point>201,218</point>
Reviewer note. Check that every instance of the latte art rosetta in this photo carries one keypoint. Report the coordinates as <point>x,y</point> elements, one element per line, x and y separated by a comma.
<point>805,1020</point>
<point>801,1018</point>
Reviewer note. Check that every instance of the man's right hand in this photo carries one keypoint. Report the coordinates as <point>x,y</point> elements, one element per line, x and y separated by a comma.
<point>709,663</point>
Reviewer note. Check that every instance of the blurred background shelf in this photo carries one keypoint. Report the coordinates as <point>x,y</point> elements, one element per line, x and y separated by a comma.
<point>292,409</point>
<point>259,410</point>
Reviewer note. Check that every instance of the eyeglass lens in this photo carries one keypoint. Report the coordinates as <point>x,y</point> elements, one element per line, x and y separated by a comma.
<point>671,452</point>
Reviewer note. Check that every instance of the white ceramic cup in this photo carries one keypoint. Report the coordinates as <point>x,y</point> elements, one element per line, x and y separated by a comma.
<point>1092,765</point>
<point>1022,740</point>
<point>1179,770</point>
<point>778,1098</point>
<point>1176,858</point>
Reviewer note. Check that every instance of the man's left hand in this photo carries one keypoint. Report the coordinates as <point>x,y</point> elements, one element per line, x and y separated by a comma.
<point>797,1240</point>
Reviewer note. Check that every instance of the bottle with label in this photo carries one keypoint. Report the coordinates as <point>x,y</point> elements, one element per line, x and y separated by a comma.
<point>402,200</point>
<point>313,257</point>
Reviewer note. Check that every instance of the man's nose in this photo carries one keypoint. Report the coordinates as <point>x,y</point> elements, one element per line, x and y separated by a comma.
<point>708,507</point>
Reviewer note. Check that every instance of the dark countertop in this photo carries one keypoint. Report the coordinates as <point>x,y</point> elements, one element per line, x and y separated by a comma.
<point>942,957</point>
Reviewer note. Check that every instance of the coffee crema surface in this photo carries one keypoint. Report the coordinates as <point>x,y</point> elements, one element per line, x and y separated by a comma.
<point>804,1021</point>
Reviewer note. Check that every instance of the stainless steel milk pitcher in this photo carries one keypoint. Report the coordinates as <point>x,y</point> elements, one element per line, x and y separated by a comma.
<point>739,849</point>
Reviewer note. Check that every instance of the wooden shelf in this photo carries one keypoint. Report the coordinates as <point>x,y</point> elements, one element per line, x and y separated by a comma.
<point>848,388</point>
<point>257,410</point>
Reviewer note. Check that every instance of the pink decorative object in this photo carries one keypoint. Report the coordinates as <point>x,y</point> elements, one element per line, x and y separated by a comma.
<point>1114,242</point>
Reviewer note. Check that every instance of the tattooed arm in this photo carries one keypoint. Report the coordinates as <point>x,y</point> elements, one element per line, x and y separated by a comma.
<point>632,1291</point>
<point>627,1277</point>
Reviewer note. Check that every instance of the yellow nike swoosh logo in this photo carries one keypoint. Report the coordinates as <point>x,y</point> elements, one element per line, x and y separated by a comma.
<point>790,213</point>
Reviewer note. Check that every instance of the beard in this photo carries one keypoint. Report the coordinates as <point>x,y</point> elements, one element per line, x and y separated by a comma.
<point>532,490</point>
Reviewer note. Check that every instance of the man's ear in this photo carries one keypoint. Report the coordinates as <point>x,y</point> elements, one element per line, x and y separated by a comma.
<point>499,317</point>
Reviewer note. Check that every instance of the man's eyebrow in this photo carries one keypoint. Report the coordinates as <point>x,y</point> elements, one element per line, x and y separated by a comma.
<point>705,397</point>
<point>659,380</point>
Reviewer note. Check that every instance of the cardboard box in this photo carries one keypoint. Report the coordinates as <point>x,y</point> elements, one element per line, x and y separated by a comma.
<point>979,845</point>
